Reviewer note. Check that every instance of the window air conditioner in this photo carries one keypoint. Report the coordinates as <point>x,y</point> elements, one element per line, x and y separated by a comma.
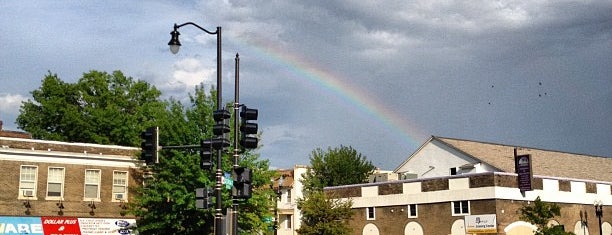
<point>119,196</point>
<point>28,193</point>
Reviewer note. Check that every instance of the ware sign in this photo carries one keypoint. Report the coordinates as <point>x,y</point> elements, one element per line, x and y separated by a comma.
<point>21,225</point>
<point>59,225</point>
<point>480,223</point>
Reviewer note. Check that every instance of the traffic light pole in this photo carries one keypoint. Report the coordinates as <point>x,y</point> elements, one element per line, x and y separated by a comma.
<point>174,48</point>
<point>221,129</point>
<point>236,150</point>
<point>219,172</point>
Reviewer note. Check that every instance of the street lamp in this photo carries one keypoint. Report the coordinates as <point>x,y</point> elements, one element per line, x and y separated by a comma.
<point>278,197</point>
<point>174,48</point>
<point>599,213</point>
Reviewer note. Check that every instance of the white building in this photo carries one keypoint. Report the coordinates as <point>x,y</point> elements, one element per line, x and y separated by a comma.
<point>458,187</point>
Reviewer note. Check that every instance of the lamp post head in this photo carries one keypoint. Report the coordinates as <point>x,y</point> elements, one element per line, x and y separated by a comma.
<point>281,181</point>
<point>174,43</point>
<point>598,203</point>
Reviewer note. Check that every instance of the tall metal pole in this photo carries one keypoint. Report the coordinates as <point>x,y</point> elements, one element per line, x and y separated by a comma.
<point>174,47</point>
<point>236,150</point>
<point>219,172</point>
<point>599,214</point>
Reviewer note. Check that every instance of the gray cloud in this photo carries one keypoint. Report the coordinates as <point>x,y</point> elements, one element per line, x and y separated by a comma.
<point>531,73</point>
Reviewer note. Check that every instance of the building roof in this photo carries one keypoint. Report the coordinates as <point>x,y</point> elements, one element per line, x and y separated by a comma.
<point>14,134</point>
<point>287,175</point>
<point>544,162</point>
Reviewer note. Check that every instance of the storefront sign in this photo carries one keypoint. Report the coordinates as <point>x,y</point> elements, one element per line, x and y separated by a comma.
<point>523,170</point>
<point>480,223</point>
<point>93,226</point>
<point>58,225</point>
<point>20,225</point>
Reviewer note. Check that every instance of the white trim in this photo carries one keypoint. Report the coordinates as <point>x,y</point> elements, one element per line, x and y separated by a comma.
<point>69,158</point>
<point>62,183</point>
<point>462,213</point>
<point>519,224</point>
<point>416,210</point>
<point>69,144</point>
<point>97,198</point>
<point>118,196</point>
<point>367,211</point>
<point>21,191</point>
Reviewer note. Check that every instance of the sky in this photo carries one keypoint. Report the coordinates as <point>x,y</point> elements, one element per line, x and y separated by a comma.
<point>379,76</point>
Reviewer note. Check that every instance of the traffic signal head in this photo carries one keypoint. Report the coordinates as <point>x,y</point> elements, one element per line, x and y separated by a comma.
<point>221,127</point>
<point>204,197</point>
<point>149,145</point>
<point>242,183</point>
<point>248,128</point>
<point>206,154</point>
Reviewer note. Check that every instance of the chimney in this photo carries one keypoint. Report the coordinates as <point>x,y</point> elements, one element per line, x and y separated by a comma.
<point>0,125</point>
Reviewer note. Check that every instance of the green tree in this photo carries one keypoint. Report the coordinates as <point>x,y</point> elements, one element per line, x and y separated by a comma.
<point>338,166</point>
<point>107,108</point>
<point>323,213</point>
<point>539,214</point>
<point>100,108</point>
<point>167,203</point>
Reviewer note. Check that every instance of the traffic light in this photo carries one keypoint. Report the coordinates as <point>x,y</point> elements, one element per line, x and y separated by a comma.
<point>206,154</point>
<point>149,145</point>
<point>242,188</point>
<point>248,129</point>
<point>204,198</point>
<point>220,128</point>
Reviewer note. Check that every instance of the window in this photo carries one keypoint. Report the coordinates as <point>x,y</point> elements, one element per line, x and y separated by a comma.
<point>288,222</point>
<point>453,171</point>
<point>289,195</point>
<point>120,185</point>
<point>461,208</point>
<point>370,213</point>
<point>412,211</point>
<point>92,185</point>
<point>27,182</point>
<point>55,183</point>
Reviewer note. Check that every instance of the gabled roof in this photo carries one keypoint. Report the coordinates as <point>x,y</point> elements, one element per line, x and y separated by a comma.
<point>544,162</point>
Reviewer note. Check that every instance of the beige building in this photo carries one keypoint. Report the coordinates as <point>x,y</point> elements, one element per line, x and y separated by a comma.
<point>286,211</point>
<point>454,186</point>
<point>64,180</point>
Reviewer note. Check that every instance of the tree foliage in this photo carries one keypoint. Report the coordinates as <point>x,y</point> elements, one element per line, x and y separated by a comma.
<point>107,108</point>
<point>184,126</point>
<point>323,213</point>
<point>337,166</point>
<point>100,108</point>
<point>539,214</point>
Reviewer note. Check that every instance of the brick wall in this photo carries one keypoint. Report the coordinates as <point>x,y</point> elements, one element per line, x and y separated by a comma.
<point>437,217</point>
<point>73,191</point>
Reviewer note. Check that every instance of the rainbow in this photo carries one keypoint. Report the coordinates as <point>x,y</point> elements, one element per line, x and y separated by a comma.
<point>407,131</point>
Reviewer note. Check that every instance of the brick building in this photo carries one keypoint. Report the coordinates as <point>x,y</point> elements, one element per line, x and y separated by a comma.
<point>454,186</point>
<point>60,181</point>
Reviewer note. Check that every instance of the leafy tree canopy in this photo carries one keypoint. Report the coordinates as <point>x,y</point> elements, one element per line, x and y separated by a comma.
<point>337,166</point>
<point>323,213</point>
<point>539,214</point>
<point>100,108</point>
<point>111,108</point>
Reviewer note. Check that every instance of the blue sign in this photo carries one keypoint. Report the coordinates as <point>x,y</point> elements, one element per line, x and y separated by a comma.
<point>20,225</point>
<point>228,181</point>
